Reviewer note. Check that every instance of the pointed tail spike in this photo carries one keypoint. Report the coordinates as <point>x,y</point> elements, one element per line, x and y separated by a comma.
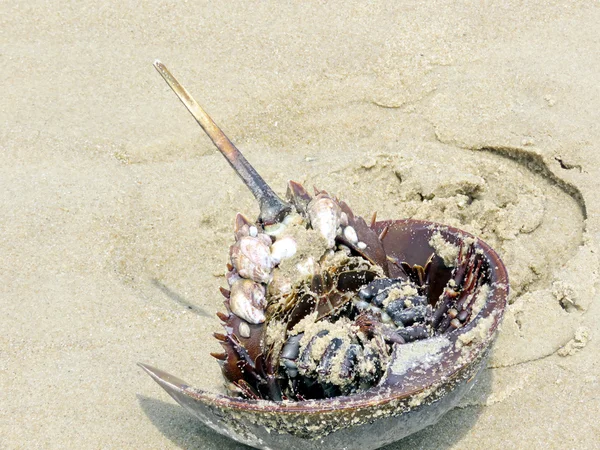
<point>272,208</point>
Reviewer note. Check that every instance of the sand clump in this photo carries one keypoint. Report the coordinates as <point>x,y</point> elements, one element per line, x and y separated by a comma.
<point>579,341</point>
<point>444,249</point>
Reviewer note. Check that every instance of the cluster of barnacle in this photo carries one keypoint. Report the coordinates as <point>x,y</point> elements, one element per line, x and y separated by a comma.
<point>312,312</point>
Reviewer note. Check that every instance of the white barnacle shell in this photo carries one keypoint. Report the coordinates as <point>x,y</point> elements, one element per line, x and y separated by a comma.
<point>325,217</point>
<point>244,329</point>
<point>283,248</point>
<point>247,300</point>
<point>265,238</point>
<point>344,219</point>
<point>232,276</point>
<point>251,257</point>
<point>350,234</point>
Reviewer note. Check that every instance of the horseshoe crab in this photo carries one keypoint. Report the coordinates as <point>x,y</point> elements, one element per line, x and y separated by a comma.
<point>341,333</point>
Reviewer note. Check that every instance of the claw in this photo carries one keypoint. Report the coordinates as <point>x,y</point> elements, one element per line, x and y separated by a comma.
<point>168,382</point>
<point>467,280</point>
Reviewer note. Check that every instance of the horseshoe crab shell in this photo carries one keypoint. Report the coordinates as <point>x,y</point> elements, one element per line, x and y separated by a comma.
<point>420,386</point>
<point>421,379</point>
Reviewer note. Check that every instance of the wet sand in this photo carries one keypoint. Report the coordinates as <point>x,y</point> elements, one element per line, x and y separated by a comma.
<point>116,211</point>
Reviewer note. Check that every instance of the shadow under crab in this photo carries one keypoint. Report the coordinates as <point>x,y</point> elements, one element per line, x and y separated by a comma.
<point>430,353</point>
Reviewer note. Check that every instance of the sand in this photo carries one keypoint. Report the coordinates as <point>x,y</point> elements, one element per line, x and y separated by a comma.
<point>116,211</point>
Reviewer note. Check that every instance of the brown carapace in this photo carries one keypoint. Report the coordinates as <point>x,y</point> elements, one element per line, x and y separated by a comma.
<point>331,315</point>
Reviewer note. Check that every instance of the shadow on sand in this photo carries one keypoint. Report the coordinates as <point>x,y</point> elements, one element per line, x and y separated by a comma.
<point>453,425</point>
<point>182,429</point>
<point>177,298</point>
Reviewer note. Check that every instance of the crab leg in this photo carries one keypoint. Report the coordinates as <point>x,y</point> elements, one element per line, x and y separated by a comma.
<point>272,208</point>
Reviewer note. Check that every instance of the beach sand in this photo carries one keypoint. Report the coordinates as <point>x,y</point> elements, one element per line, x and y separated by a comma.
<point>116,211</point>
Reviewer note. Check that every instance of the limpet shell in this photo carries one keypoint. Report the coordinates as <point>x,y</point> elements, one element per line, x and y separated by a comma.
<point>251,257</point>
<point>247,300</point>
<point>325,217</point>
